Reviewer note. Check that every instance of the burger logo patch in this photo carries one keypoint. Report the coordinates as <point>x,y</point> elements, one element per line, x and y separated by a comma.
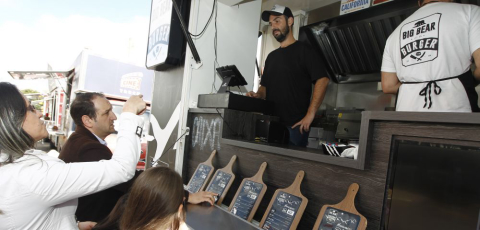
<point>419,40</point>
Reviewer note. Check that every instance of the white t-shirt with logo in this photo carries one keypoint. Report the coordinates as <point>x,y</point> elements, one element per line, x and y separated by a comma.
<point>435,42</point>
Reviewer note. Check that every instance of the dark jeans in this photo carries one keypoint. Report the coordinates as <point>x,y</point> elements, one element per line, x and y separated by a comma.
<point>296,138</point>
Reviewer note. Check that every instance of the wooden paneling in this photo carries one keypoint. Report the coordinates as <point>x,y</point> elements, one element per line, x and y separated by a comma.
<point>323,183</point>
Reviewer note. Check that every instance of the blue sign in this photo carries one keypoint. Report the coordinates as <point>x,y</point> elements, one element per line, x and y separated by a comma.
<point>158,39</point>
<point>117,79</point>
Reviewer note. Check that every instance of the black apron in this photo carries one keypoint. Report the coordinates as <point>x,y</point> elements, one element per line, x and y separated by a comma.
<point>468,81</point>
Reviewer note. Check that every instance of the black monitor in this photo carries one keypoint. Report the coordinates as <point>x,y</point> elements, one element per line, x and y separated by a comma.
<point>433,185</point>
<point>231,77</point>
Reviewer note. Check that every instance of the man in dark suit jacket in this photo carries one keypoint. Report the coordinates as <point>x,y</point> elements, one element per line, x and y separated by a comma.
<point>93,116</point>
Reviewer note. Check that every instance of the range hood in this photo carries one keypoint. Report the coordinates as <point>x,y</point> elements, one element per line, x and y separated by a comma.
<point>352,45</point>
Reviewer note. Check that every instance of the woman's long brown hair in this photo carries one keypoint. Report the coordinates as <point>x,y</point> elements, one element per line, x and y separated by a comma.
<point>154,200</point>
<point>112,221</point>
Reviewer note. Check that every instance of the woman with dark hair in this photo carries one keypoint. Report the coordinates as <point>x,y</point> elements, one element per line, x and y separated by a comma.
<point>112,221</point>
<point>155,201</point>
<point>39,191</point>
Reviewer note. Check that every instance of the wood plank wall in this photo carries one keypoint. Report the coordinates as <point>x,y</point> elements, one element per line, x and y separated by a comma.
<point>323,183</point>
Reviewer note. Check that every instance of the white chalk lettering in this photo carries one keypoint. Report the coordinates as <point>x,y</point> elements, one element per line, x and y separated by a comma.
<point>206,132</point>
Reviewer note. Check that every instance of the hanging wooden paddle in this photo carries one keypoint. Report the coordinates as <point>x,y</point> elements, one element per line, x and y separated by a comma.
<point>222,180</point>
<point>249,195</point>
<point>201,175</point>
<point>343,215</point>
<point>286,207</point>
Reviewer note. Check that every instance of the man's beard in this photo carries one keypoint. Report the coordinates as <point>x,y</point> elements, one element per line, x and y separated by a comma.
<point>282,36</point>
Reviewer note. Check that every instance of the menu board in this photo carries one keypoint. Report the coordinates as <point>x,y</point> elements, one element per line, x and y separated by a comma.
<point>249,192</point>
<point>338,219</point>
<point>283,211</point>
<point>199,178</point>
<point>219,182</point>
<point>342,216</point>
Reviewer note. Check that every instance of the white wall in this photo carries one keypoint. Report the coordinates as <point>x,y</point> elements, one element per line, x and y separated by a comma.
<point>237,31</point>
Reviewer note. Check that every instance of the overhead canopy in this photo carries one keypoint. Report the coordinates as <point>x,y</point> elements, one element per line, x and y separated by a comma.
<point>32,75</point>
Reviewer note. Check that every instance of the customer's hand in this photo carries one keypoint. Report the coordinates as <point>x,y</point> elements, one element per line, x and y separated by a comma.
<point>199,197</point>
<point>86,225</point>
<point>135,104</point>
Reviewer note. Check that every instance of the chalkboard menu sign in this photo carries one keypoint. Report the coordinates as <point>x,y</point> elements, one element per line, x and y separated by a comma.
<point>249,192</point>
<point>283,211</point>
<point>343,215</point>
<point>338,219</point>
<point>249,195</point>
<point>219,183</point>
<point>199,178</point>
<point>286,207</point>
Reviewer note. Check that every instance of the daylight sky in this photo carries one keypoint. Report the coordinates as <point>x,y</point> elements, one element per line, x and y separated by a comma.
<point>35,33</point>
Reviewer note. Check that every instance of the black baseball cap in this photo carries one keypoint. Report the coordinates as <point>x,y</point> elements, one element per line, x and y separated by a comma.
<point>276,10</point>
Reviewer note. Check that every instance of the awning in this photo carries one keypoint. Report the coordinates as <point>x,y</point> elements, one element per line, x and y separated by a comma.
<point>32,75</point>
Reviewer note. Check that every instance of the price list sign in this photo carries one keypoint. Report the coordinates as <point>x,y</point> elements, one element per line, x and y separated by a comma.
<point>342,216</point>
<point>246,199</point>
<point>218,184</point>
<point>283,211</point>
<point>339,219</point>
<point>199,178</point>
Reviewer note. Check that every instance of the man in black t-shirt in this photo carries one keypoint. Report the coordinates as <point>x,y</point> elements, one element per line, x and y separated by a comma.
<point>288,76</point>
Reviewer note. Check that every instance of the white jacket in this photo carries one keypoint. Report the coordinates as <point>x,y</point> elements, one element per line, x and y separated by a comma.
<point>40,192</point>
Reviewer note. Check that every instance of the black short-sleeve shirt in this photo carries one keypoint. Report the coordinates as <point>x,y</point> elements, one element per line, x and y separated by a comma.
<point>288,77</point>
